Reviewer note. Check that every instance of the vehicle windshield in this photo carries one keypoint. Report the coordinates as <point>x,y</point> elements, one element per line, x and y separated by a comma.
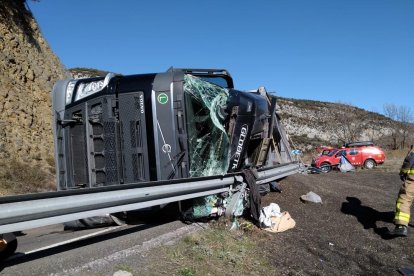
<point>220,81</point>
<point>208,141</point>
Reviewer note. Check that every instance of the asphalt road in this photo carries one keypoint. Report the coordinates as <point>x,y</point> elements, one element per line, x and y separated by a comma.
<point>103,251</point>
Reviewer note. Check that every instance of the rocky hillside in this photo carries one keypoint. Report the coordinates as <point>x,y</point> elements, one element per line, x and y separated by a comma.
<point>28,70</point>
<point>312,123</point>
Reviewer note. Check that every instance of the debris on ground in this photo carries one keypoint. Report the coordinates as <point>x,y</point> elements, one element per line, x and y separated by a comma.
<point>315,170</point>
<point>91,222</point>
<point>275,187</point>
<point>272,220</point>
<point>311,197</point>
<point>203,208</point>
<point>272,210</point>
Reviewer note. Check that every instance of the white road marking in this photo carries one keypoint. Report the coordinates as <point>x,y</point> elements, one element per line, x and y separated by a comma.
<point>167,238</point>
<point>71,240</point>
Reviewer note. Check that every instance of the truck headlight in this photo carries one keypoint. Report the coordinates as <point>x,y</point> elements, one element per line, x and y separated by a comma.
<point>87,89</point>
<point>69,91</point>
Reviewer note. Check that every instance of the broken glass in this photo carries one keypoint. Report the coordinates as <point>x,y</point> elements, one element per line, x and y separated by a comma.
<point>208,140</point>
<point>205,206</point>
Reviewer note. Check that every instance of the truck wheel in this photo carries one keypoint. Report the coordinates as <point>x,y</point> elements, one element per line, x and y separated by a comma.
<point>325,167</point>
<point>369,164</point>
<point>7,246</point>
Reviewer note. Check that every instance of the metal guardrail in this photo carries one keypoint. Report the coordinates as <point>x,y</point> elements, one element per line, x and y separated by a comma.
<point>31,211</point>
<point>267,176</point>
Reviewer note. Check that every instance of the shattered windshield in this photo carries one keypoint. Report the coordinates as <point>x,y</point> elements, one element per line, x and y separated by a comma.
<point>216,80</point>
<point>208,140</point>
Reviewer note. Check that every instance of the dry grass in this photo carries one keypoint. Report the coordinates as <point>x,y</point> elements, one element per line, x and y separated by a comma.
<point>17,177</point>
<point>393,160</point>
<point>396,154</point>
<point>307,157</point>
<point>215,251</point>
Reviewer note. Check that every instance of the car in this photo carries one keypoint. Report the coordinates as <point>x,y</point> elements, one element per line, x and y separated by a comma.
<point>359,154</point>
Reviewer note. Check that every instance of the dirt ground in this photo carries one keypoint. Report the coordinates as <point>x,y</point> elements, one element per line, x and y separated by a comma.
<point>347,233</point>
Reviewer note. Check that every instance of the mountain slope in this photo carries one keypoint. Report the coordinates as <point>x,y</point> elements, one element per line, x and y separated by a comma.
<point>28,70</point>
<point>313,123</point>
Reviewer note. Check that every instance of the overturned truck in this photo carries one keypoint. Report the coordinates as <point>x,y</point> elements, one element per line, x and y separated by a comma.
<point>178,124</point>
<point>124,143</point>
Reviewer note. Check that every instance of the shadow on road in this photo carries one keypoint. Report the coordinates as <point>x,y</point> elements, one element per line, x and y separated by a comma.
<point>139,220</point>
<point>19,259</point>
<point>368,216</point>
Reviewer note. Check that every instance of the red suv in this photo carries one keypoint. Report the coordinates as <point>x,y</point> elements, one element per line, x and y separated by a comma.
<point>358,154</point>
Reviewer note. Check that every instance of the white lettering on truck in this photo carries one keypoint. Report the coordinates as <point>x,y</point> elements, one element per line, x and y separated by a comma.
<point>242,138</point>
<point>141,103</point>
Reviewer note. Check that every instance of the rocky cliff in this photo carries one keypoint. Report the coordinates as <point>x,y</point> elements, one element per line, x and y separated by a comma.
<point>312,123</point>
<point>28,70</point>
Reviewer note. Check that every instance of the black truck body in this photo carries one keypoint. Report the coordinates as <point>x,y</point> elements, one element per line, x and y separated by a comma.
<point>180,123</point>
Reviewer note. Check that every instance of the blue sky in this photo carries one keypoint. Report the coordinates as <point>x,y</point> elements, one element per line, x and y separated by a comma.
<point>359,52</point>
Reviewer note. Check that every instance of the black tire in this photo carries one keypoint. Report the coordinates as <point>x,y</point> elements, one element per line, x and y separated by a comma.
<point>370,164</point>
<point>8,250</point>
<point>325,167</point>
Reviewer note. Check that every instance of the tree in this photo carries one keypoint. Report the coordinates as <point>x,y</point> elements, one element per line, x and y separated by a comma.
<point>404,124</point>
<point>391,111</point>
<point>347,123</point>
<point>405,118</point>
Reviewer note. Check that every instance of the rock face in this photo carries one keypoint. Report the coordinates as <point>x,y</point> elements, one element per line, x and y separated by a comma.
<point>28,70</point>
<point>311,123</point>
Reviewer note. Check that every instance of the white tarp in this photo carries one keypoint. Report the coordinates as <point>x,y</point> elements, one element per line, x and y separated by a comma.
<point>345,165</point>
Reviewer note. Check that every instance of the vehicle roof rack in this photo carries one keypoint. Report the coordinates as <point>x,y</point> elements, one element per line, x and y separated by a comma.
<point>203,71</point>
<point>223,73</point>
<point>359,144</point>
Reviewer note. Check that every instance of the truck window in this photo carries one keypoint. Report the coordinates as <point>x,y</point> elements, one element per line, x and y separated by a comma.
<point>208,140</point>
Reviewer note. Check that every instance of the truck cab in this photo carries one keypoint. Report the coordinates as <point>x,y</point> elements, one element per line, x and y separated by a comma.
<point>180,123</point>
